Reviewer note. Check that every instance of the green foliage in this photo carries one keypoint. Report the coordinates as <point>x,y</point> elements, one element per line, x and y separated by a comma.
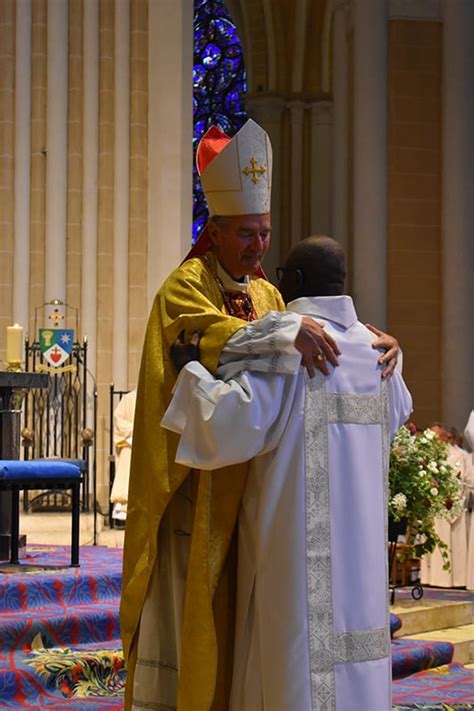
<point>423,487</point>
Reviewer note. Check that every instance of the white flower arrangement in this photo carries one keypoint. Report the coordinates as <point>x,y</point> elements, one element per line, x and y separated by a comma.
<point>423,487</point>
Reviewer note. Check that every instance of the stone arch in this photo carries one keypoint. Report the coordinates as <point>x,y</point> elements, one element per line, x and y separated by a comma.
<point>272,33</point>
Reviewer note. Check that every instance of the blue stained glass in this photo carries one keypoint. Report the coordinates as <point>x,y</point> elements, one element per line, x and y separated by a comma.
<point>199,80</point>
<point>233,102</point>
<point>211,56</point>
<point>219,84</point>
<point>225,31</point>
<point>200,128</point>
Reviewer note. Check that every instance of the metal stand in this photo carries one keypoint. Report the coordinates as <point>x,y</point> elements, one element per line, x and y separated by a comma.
<point>394,530</point>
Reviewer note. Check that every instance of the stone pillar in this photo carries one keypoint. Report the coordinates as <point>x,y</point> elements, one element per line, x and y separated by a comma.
<point>90,168</point>
<point>340,153</point>
<point>321,169</point>
<point>370,160</point>
<point>121,194</point>
<point>56,151</point>
<point>267,112</point>
<point>21,245</point>
<point>170,126</point>
<point>296,171</point>
<point>458,211</point>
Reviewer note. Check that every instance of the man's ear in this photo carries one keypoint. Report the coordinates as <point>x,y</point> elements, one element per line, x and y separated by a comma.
<point>212,231</point>
<point>216,235</point>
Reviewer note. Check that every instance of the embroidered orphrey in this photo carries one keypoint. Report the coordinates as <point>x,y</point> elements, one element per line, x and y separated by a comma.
<point>328,647</point>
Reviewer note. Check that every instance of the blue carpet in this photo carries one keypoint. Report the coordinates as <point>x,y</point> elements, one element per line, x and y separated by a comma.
<point>412,656</point>
<point>395,624</point>
<point>451,685</point>
<point>60,641</point>
<point>60,646</point>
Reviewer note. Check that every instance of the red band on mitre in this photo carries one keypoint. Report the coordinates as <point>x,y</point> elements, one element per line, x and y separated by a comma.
<point>210,145</point>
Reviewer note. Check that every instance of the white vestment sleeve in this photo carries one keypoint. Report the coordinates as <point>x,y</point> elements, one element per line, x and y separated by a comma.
<point>401,404</point>
<point>223,423</point>
<point>265,345</point>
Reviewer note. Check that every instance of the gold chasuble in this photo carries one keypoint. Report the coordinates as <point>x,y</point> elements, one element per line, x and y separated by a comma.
<point>189,299</point>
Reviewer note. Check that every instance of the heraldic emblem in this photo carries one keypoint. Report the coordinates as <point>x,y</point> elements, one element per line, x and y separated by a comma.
<point>56,345</point>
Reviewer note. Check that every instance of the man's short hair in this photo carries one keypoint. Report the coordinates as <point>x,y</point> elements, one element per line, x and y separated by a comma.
<point>321,261</point>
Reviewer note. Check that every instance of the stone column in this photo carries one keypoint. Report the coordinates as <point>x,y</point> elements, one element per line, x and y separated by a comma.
<point>267,112</point>
<point>90,169</point>
<point>56,151</point>
<point>321,168</point>
<point>21,245</point>
<point>340,126</point>
<point>370,160</point>
<point>121,194</point>
<point>296,171</point>
<point>170,122</point>
<point>458,211</point>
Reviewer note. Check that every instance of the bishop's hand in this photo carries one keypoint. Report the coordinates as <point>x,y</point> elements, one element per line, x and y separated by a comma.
<point>316,346</point>
<point>390,345</point>
<point>182,353</point>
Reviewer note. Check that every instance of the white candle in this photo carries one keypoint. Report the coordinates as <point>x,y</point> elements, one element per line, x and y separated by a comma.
<point>15,344</point>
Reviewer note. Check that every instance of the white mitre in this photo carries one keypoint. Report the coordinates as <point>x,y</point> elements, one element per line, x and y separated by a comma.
<point>238,180</point>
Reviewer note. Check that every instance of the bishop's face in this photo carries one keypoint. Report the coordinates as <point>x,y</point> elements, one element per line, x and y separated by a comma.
<point>240,243</point>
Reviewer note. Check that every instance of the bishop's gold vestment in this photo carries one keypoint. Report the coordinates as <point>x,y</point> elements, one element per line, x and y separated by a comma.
<point>189,299</point>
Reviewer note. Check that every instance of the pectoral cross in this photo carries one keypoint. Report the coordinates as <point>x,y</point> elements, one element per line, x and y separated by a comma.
<point>255,170</point>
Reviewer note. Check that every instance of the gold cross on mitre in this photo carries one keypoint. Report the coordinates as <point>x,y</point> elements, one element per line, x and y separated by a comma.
<point>255,170</point>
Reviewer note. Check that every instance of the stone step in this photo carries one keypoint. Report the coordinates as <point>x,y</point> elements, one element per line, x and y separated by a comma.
<point>462,638</point>
<point>425,615</point>
<point>55,528</point>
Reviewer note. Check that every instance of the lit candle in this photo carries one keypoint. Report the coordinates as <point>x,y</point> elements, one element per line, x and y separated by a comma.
<point>15,344</point>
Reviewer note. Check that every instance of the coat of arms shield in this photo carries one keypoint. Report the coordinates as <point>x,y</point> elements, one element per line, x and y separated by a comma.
<point>56,345</point>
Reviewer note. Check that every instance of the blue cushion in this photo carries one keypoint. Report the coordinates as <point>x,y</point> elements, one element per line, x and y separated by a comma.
<point>41,468</point>
<point>81,463</point>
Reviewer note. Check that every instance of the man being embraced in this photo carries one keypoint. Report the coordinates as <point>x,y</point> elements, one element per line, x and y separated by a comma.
<point>312,626</point>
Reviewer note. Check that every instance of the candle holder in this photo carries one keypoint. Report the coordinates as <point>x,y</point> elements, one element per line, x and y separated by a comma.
<point>15,367</point>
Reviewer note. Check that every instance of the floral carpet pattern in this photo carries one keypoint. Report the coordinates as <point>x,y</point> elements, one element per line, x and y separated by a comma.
<point>60,645</point>
<point>445,688</point>
<point>95,673</point>
<point>410,656</point>
<point>59,634</point>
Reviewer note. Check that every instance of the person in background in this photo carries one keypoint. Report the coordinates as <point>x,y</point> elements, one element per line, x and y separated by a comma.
<point>124,414</point>
<point>453,531</point>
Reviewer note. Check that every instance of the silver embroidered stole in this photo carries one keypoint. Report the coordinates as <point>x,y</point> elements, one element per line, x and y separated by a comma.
<point>328,647</point>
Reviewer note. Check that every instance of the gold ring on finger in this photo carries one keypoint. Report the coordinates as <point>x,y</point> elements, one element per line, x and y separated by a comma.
<point>319,357</point>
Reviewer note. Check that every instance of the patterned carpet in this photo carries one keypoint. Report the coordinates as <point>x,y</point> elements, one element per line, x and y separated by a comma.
<point>59,635</point>
<point>410,656</point>
<point>395,624</point>
<point>60,646</point>
<point>446,688</point>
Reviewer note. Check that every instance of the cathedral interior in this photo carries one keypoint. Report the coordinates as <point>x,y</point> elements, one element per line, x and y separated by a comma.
<point>369,108</point>
<point>369,105</point>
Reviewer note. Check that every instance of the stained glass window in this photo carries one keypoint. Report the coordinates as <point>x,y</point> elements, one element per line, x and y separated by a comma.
<point>219,85</point>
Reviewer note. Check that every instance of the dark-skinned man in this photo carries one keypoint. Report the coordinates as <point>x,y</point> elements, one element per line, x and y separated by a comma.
<point>312,623</point>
